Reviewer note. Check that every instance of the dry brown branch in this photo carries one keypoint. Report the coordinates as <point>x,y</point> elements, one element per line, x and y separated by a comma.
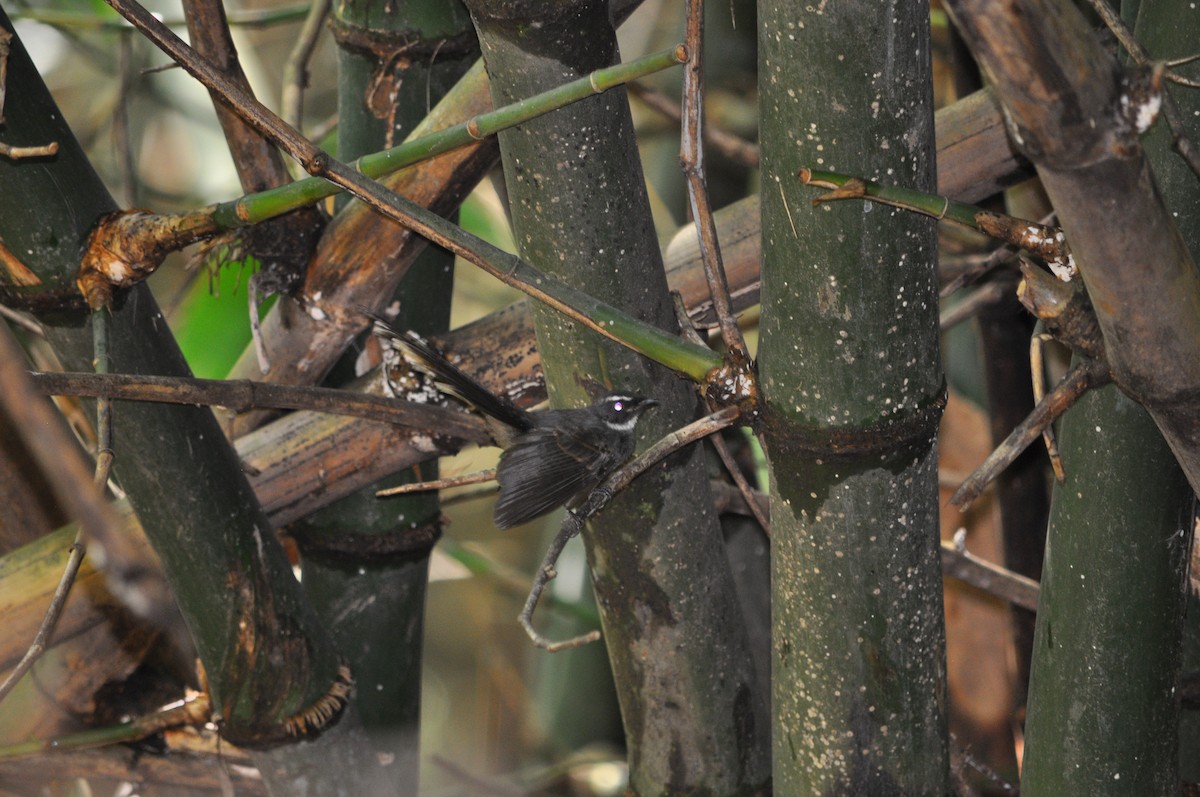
<point>1081,379</point>
<point>243,395</point>
<point>295,71</point>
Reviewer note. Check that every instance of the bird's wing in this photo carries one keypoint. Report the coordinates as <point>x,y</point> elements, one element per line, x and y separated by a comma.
<point>543,470</point>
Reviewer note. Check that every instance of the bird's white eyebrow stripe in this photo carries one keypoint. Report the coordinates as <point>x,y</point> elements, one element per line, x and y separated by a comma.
<point>615,399</point>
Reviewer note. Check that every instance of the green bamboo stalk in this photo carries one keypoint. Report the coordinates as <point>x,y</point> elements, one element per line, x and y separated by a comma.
<point>1046,242</point>
<point>693,715</point>
<point>924,202</point>
<point>852,382</point>
<point>1103,711</point>
<point>1170,29</point>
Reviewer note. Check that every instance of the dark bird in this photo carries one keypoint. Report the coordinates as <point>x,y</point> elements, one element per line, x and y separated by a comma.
<point>551,458</point>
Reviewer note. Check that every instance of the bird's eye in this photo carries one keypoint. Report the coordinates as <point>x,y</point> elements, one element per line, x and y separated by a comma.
<point>618,406</point>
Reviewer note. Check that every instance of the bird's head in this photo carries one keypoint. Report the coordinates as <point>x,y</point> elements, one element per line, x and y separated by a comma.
<point>620,411</point>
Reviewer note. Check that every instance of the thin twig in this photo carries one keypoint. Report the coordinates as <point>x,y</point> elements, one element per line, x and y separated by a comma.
<point>1187,59</point>
<point>573,522</point>
<point>479,477</point>
<point>102,361</point>
<point>41,640</point>
<point>732,147</point>
<point>1077,382</point>
<point>1116,25</point>
<point>16,153</point>
<point>985,296</point>
<point>691,158</point>
<point>572,525</point>
<point>20,319</point>
<point>961,564</point>
<point>972,274</point>
<point>295,71</point>
<point>743,486</point>
<point>243,395</point>
<point>1037,370</point>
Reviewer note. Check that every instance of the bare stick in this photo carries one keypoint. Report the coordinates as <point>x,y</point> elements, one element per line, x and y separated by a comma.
<point>16,153</point>
<point>1082,378</point>
<point>1037,369</point>
<point>599,498</point>
<point>295,71</point>
<point>23,321</point>
<point>572,525</point>
<point>727,144</point>
<point>242,395</point>
<point>743,486</point>
<point>42,639</point>
<point>984,296</point>
<point>961,564</point>
<point>691,158</point>
<point>478,477</point>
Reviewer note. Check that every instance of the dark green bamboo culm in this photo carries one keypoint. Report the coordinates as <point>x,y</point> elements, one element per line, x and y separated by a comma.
<point>850,373</point>
<point>180,473</point>
<point>366,561</point>
<point>1170,29</point>
<point>694,717</point>
<point>1103,713</point>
